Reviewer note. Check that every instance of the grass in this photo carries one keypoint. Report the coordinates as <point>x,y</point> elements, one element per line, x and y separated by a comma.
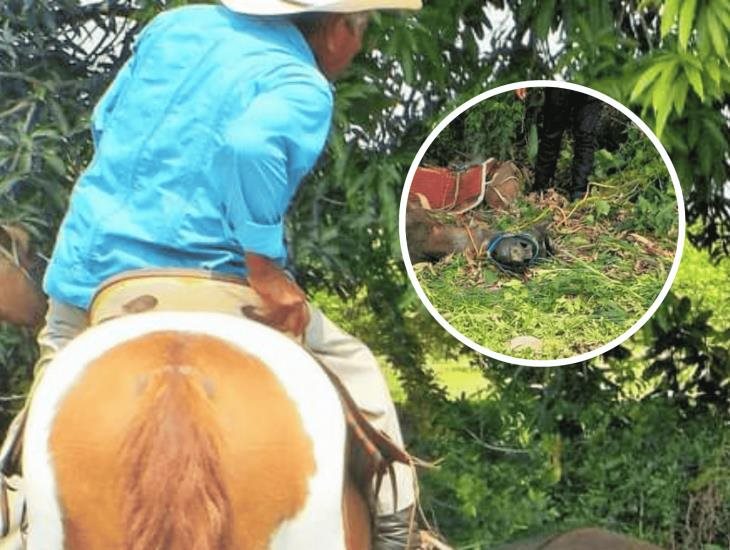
<point>614,252</point>
<point>706,284</point>
<point>698,278</point>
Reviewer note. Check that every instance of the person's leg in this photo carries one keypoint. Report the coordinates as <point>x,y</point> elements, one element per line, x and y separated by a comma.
<point>555,118</point>
<point>63,323</point>
<point>358,369</point>
<point>585,119</point>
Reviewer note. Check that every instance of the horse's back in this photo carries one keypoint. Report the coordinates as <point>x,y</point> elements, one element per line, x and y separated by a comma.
<point>198,430</point>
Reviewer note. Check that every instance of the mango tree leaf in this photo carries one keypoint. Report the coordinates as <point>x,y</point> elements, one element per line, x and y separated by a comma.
<point>712,66</point>
<point>671,8</point>
<point>646,78</point>
<point>544,18</point>
<point>695,79</point>
<point>686,17</point>
<point>680,97</point>
<point>718,36</point>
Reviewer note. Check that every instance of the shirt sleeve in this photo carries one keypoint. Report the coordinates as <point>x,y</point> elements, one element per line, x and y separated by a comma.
<point>269,148</point>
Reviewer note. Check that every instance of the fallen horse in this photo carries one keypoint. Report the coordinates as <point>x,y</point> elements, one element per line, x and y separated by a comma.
<point>431,237</point>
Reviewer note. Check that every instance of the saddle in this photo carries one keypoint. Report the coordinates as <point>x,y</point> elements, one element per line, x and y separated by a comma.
<point>458,189</point>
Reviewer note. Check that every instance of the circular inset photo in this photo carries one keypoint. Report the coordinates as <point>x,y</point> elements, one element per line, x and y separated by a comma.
<point>542,223</point>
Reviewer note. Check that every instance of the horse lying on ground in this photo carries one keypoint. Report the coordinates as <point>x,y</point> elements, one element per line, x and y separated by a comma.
<point>430,238</point>
<point>188,430</point>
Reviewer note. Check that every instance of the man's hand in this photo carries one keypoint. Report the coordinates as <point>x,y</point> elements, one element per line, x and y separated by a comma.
<point>285,304</point>
<point>521,93</point>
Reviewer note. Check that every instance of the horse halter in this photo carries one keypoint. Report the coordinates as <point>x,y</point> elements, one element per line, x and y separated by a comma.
<point>514,253</point>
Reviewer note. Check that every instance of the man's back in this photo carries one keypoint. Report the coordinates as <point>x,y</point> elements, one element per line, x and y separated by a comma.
<point>178,135</point>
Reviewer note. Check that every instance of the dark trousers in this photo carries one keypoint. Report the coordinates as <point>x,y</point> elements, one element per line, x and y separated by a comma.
<point>563,109</point>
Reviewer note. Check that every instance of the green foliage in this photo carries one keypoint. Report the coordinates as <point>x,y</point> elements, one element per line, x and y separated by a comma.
<point>706,285</point>
<point>694,371</point>
<point>551,449</point>
<point>614,250</point>
<point>488,129</point>
<point>17,356</point>
<point>415,69</point>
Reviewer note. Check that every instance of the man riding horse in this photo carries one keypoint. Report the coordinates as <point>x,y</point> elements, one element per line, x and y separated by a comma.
<point>200,143</point>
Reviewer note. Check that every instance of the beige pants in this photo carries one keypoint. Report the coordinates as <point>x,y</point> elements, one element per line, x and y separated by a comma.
<point>344,354</point>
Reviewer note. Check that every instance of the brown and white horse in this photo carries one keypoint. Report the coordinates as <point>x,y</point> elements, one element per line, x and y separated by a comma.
<point>188,430</point>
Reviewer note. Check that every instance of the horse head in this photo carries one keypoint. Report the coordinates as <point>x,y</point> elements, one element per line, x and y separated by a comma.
<point>22,301</point>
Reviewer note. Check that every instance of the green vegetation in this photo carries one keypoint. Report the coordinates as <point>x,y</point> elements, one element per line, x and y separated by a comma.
<point>614,248</point>
<point>525,452</point>
<point>637,441</point>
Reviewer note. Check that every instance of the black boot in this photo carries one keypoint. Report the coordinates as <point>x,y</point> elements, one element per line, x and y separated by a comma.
<point>555,118</point>
<point>578,194</point>
<point>587,111</point>
<point>393,531</point>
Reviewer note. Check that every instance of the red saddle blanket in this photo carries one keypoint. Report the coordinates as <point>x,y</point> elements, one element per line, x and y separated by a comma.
<point>496,183</point>
<point>445,189</point>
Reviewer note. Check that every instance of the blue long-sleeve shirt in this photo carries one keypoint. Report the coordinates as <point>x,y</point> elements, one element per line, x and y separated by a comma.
<point>200,143</point>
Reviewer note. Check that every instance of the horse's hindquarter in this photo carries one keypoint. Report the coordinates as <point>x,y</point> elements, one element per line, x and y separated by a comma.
<point>171,429</point>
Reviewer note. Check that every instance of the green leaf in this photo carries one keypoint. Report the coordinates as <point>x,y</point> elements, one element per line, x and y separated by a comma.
<point>544,18</point>
<point>661,97</point>
<point>54,162</point>
<point>712,66</point>
<point>720,11</point>
<point>646,78</point>
<point>60,117</point>
<point>680,95</point>
<point>714,132</point>
<point>695,79</point>
<point>602,208</point>
<point>686,18</point>
<point>718,35</point>
<point>693,132</point>
<point>671,8</point>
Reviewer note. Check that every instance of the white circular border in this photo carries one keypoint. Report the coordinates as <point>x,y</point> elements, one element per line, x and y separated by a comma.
<point>575,358</point>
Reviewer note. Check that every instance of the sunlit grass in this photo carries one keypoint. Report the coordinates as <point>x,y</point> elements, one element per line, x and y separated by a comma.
<point>613,257</point>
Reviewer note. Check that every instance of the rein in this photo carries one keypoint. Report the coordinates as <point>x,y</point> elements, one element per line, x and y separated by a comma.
<point>471,239</point>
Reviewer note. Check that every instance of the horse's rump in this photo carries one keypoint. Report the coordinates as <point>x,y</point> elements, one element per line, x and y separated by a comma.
<point>170,433</point>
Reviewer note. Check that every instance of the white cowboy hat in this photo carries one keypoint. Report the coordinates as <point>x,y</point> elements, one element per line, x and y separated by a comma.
<point>285,7</point>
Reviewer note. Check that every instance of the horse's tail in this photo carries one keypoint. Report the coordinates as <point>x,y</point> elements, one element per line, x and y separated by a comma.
<point>174,495</point>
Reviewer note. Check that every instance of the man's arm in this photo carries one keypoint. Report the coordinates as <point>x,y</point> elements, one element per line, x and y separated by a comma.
<point>285,303</point>
<point>270,147</point>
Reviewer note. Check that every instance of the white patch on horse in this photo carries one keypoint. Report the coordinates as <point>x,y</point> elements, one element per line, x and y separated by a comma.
<point>318,525</point>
